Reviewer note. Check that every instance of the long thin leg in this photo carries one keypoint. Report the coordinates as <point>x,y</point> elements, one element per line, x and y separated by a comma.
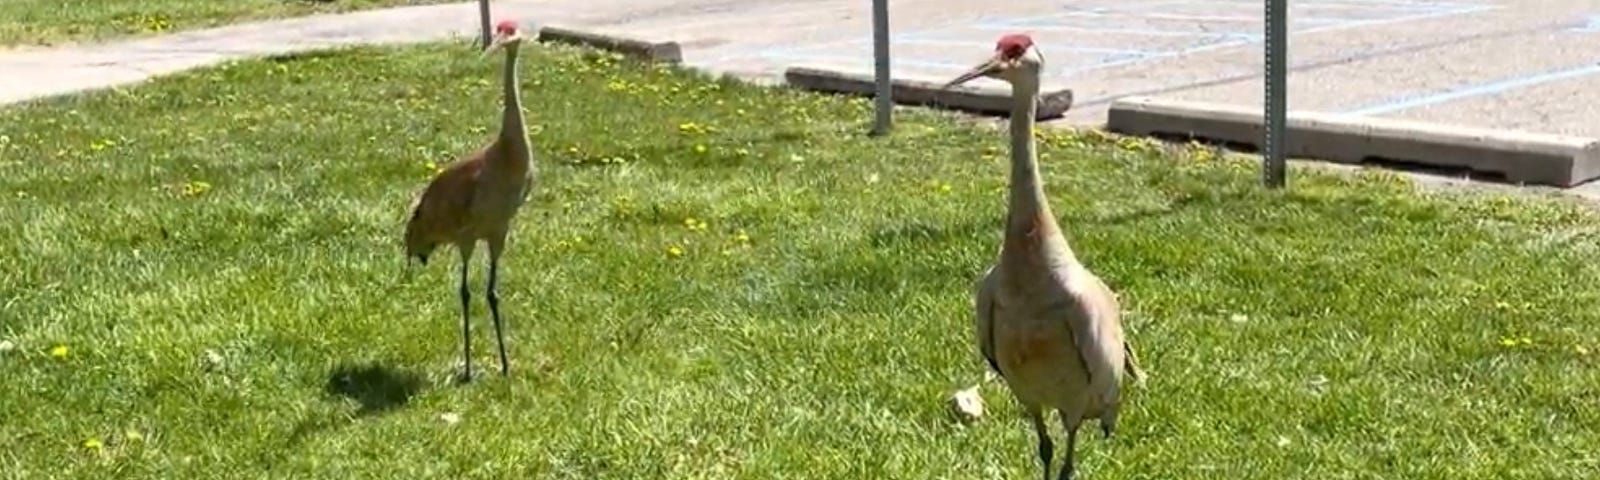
<point>496,246</point>
<point>1045,446</point>
<point>466,315</point>
<point>1070,464</point>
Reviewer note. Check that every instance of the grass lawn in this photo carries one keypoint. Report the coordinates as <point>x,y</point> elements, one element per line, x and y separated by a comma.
<point>201,277</point>
<point>48,22</point>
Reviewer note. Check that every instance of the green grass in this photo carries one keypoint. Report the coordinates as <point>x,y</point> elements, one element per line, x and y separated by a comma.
<point>216,248</point>
<point>48,22</point>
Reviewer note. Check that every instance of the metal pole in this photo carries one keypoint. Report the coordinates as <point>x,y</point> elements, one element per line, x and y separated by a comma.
<point>483,20</point>
<point>880,57</point>
<point>1277,49</point>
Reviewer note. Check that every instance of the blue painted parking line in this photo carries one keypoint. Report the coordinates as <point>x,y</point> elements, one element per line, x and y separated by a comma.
<point>791,52</point>
<point>1251,19</point>
<point>984,44</point>
<point>1409,49</point>
<point>1140,20</point>
<point>1469,91</point>
<point>1589,25</point>
<point>865,60</point>
<point>1239,40</point>
<point>1112,29</point>
<point>1377,4</point>
<point>1405,18</point>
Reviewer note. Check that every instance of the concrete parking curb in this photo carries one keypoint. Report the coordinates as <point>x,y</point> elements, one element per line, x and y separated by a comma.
<point>1519,157</point>
<point>1052,104</point>
<point>661,52</point>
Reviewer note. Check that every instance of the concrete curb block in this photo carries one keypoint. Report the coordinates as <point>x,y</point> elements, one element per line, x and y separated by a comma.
<point>660,52</point>
<point>1556,160</point>
<point>1052,104</point>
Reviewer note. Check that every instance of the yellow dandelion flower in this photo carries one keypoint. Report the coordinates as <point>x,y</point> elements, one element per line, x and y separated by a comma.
<point>741,237</point>
<point>196,188</point>
<point>60,352</point>
<point>944,188</point>
<point>92,444</point>
<point>674,251</point>
<point>1508,342</point>
<point>699,148</point>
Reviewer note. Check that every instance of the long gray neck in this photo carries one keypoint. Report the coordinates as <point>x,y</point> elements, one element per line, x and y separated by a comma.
<point>512,129</point>
<point>1027,200</point>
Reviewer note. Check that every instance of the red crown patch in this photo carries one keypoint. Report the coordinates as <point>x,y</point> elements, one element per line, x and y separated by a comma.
<point>1013,45</point>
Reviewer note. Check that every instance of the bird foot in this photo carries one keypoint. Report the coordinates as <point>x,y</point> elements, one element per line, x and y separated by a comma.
<point>466,376</point>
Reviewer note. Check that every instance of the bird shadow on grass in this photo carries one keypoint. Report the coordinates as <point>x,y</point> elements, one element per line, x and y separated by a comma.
<point>377,388</point>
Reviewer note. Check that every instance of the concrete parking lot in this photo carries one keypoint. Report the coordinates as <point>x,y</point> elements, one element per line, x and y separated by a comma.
<point>1515,64</point>
<point>1510,64</point>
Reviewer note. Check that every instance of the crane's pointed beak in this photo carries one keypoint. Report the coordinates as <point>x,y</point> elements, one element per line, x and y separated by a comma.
<point>494,44</point>
<point>987,68</point>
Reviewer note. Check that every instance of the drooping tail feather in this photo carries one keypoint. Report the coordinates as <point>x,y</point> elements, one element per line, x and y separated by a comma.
<point>1131,363</point>
<point>1130,367</point>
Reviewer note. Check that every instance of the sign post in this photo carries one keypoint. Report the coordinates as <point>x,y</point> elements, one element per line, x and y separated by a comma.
<point>483,19</point>
<point>1276,83</point>
<point>880,56</point>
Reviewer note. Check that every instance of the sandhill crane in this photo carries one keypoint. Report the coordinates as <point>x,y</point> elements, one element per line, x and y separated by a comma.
<point>1047,325</point>
<point>476,198</point>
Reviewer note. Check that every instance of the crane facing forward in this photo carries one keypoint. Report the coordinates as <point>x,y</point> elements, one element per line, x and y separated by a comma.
<point>476,199</point>
<point>1045,324</point>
